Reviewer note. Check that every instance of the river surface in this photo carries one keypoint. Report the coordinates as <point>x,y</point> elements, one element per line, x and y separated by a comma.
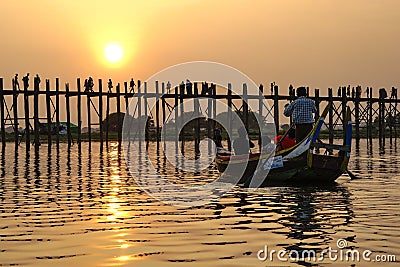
<point>82,208</point>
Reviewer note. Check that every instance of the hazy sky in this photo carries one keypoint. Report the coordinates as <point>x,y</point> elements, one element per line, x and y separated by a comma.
<point>320,43</point>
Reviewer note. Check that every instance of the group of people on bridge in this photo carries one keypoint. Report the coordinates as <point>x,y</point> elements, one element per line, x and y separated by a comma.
<point>25,80</point>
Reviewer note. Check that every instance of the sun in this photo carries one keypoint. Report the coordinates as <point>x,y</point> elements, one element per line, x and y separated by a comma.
<point>113,52</point>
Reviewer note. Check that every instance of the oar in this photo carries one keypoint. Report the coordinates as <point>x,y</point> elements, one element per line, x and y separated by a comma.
<point>352,175</point>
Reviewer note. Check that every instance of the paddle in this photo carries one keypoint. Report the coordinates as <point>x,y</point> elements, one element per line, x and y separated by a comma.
<point>352,175</point>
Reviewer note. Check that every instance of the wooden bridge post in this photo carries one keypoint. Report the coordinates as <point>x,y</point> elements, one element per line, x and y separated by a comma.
<point>27,123</point>
<point>176,114</point>
<point>126,97</point>
<point>370,118</point>
<point>79,111</point>
<point>15,113</point>
<point>390,118</point>
<point>89,119</point>
<point>344,109</point>
<point>330,100</point>
<point>209,115</point>
<point>57,111</point>
<point>260,113</point>
<point>119,119</point>
<point>67,104</point>
<point>197,120</point>
<point>394,121</point>
<point>317,103</point>
<point>182,112</point>
<point>276,107</point>
<point>367,112</point>
<point>3,128</point>
<point>139,110</point>
<point>107,120</point>
<point>214,116</point>
<point>146,115</point>
<point>229,116</point>
<point>383,116</point>
<point>357,112</point>
<point>48,109</point>
<point>157,115</point>
<point>163,111</point>
<point>101,112</point>
<point>245,107</point>
<point>380,118</point>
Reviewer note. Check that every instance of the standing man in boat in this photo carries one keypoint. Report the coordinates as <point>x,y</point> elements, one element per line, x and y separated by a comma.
<point>301,110</point>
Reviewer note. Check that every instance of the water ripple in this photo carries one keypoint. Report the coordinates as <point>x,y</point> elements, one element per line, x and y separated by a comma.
<point>80,207</point>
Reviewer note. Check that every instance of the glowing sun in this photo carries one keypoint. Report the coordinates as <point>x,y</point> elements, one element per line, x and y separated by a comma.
<point>113,53</point>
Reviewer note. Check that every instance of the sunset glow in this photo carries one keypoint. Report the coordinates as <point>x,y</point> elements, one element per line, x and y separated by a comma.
<point>306,42</point>
<point>113,53</point>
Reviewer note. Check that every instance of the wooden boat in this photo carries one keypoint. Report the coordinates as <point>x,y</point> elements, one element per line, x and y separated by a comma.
<point>304,163</point>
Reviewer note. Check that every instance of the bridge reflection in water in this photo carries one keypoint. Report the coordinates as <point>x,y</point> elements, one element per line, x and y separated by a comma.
<point>82,207</point>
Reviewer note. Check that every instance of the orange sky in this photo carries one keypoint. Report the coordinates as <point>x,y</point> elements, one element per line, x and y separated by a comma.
<point>320,43</point>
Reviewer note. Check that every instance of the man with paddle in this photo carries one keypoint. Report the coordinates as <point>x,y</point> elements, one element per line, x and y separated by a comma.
<point>301,110</point>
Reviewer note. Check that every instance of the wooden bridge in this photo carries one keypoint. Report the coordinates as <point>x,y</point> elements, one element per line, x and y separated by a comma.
<point>367,112</point>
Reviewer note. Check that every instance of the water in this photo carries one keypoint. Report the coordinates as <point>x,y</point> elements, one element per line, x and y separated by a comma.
<point>82,208</point>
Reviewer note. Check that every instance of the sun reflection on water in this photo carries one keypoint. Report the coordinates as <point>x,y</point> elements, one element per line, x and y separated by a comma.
<point>116,212</point>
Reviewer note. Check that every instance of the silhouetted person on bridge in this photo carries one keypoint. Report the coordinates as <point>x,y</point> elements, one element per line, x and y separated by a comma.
<point>204,88</point>
<point>272,88</point>
<point>25,80</point>
<point>109,85</point>
<point>36,81</point>
<point>393,93</point>
<point>382,93</point>
<point>358,91</point>
<point>188,87</point>
<point>15,82</point>
<point>90,84</point>
<point>86,85</point>
<point>132,86</point>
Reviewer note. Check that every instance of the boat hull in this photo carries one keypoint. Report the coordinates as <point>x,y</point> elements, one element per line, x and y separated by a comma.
<point>325,169</point>
<point>300,165</point>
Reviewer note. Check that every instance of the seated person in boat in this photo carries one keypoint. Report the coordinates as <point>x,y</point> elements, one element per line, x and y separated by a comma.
<point>301,110</point>
<point>242,144</point>
<point>267,146</point>
<point>218,143</point>
<point>285,141</point>
<point>218,138</point>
